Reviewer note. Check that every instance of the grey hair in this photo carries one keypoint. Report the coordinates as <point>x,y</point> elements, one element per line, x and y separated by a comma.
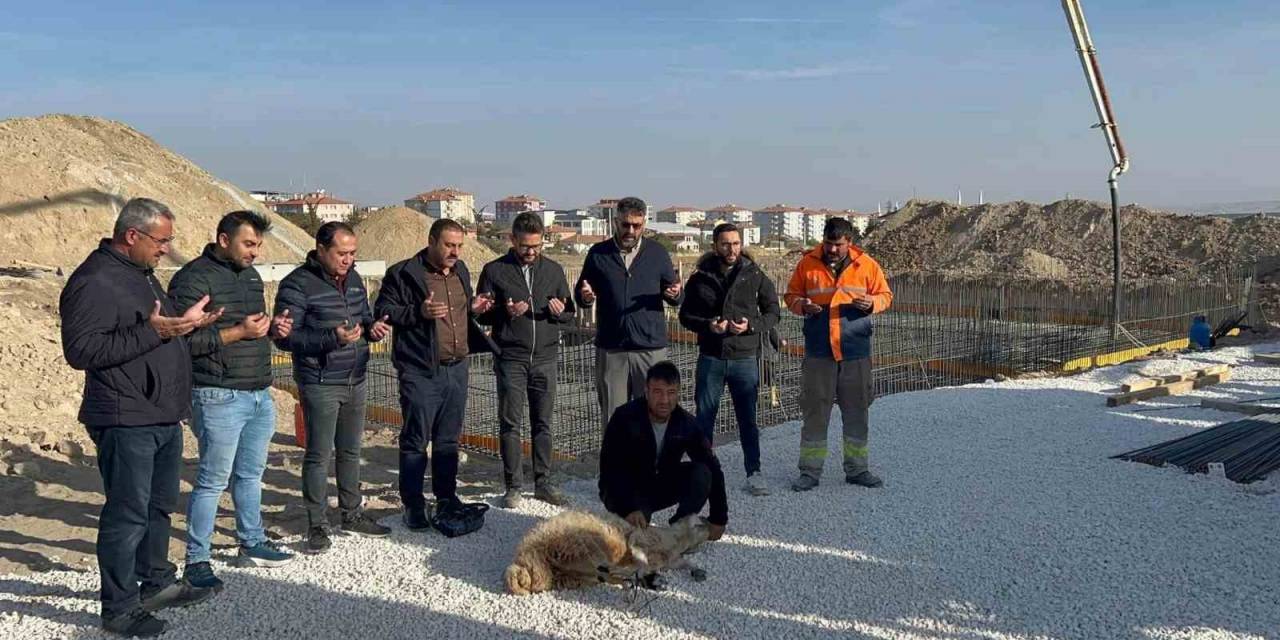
<point>140,214</point>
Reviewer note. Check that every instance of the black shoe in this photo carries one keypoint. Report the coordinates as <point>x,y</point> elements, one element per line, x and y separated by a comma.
<point>865,479</point>
<point>200,575</point>
<point>135,624</point>
<point>360,524</point>
<point>178,594</point>
<point>551,495</point>
<point>318,540</point>
<point>416,519</point>
<point>512,498</point>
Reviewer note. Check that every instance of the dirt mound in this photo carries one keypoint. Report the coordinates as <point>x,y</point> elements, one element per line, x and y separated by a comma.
<point>395,233</point>
<point>41,394</point>
<point>1069,239</point>
<point>65,178</point>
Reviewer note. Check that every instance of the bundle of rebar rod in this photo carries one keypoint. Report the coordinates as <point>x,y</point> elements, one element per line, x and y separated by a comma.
<point>1248,449</point>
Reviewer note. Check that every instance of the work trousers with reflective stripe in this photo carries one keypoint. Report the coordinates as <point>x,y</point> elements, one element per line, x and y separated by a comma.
<point>823,382</point>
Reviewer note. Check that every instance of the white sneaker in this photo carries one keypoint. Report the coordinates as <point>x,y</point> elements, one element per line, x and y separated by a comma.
<point>756,485</point>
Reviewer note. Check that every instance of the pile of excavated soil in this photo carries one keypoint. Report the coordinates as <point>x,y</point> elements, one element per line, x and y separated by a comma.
<point>395,233</point>
<point>65,178</point>
<point>63,182</point>
<point>40,394</point>
<point>1068,240</point>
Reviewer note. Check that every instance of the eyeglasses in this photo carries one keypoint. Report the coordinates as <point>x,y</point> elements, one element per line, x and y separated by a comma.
<point>160,241</point>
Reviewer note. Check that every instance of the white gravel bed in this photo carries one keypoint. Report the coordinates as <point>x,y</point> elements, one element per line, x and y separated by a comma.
<point>1001,517</point>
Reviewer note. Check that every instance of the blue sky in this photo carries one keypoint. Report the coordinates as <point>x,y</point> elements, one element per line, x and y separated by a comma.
<point>820,104</point>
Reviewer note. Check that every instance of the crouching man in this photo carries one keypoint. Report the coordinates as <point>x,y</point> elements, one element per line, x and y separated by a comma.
<point>641,471</point>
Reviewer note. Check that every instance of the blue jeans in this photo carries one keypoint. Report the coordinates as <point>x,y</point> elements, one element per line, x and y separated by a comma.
<point>743,377</point>
<point>233,428</point>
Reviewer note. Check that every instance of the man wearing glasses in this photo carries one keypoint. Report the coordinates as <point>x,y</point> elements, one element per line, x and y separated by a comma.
<point>629,279</point>
<point>120,328</point>
<point>532,301</point>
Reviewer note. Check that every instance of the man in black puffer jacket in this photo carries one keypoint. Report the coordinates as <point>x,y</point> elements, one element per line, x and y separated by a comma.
<point>332,326</point>
<point>232,414</point>
<point>120,328</point>
<point>532,301</point>
<point>732,306</point>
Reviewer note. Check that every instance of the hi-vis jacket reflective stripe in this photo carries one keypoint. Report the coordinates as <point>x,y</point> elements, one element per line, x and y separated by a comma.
<point>841,332</point>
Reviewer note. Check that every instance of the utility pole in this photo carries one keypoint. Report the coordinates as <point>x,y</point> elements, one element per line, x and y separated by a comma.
<point>1107,122</point>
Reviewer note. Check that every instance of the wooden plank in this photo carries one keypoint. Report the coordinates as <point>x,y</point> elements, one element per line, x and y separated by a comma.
<point>1178,377</point>
<point>1206,381</point>
<point>1139,385</point>
<point>1171,389</point>
<point>1235,406</point>
<point>1214,370</point>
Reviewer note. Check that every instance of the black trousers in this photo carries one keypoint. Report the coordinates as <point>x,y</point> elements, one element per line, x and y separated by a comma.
<point>688,486</point>
<point>522,383</point>
<point>433,408</point>
<point>140,467</point>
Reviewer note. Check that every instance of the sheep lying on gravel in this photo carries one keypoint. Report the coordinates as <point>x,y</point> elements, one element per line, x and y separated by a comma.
<point>576,549</point>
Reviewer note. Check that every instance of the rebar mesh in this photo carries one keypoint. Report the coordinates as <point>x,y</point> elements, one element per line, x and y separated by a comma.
<point>940,331</point>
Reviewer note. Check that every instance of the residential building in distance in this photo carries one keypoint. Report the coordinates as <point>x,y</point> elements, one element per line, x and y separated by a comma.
<point>781,222</point>
<point>586,225</point>
<point>555,234</point>
<point>813,228</point>
<point>506,209</point>
<point>686,238</point>
<point>730,213</point>
<point>680,215</point>
<point>581,243</point>
<point>326,207</point>
<point>265,196</point>
<point>606,208</point>
<point>750,232</point>
<point>446,202</point>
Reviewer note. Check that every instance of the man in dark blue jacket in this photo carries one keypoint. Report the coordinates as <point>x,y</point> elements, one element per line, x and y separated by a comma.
<point>642,458</point>
<point>332,328</point>
<point>429,304</point>
<point>533,302</point>
<point>628,280</point>
<point>120,328</point>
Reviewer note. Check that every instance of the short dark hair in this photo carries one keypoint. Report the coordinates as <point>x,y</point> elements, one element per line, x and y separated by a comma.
<point>664,371</point>
<point>631,205</point>
<point>329,230</point>
<point>837,228</point>
<point>527,222</point>
<point>442,225</point>
<point>725,227</point>
<point>230,224</point>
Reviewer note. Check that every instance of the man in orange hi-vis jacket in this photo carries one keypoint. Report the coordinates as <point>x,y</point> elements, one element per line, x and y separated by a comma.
<point>836,287</point>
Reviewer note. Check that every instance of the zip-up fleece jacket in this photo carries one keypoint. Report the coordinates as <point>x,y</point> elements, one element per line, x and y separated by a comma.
<point>536,334</point>
<point>630,314</point>
<point>244,364</point>
<point>413,344</point>
<point>745,292</point>
<point>318,308</point>
<point>840,331</point>
<point>132,378</point>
